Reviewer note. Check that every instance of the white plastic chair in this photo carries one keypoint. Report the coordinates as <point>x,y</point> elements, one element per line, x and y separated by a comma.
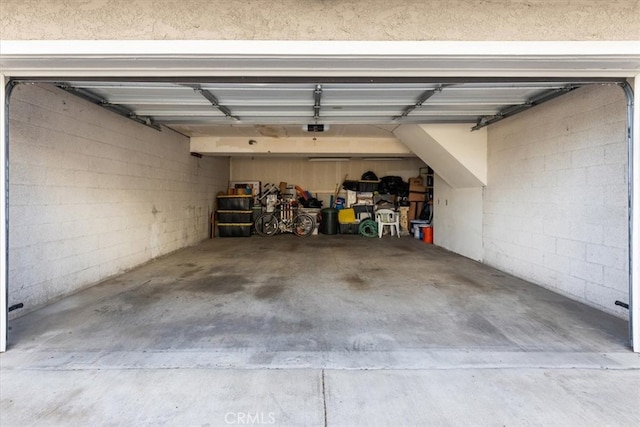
<point>390,218</point>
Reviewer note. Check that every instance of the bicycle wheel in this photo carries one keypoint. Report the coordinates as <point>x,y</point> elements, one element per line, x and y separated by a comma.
<point>303,225</point>
<point>266,225</point>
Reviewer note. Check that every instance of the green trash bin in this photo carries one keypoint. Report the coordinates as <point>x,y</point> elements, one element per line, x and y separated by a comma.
<point>329,224</point>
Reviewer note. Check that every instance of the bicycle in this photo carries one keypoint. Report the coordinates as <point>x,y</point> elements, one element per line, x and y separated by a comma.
<point>284,220</point>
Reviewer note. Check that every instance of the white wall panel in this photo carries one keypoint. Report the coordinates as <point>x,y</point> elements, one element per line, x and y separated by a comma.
<point>457,224</point>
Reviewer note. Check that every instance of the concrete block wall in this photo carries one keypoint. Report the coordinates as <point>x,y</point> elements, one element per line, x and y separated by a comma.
<point>93,194</point>
<point>555,207</point>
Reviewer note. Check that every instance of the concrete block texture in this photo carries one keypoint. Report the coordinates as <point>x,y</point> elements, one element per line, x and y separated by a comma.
<point>93,194</point>
<point>321,20</point>
<point>579,213</point>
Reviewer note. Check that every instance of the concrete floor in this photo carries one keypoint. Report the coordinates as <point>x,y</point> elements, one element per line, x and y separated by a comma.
<point>327,330</point>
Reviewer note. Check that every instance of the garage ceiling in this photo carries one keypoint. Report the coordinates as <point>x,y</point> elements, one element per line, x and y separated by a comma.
<point>245,108</point>
<point>273,87</point>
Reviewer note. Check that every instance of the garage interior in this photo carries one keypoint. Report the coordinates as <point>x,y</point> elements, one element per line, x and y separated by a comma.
<point>101,186</point>
<point>530,226</point>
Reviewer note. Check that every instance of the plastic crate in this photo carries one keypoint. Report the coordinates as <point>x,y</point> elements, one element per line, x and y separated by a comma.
<point>235,217</point>
<point>235,203</point>
<point>235,230</point>
<point>349,228</point>
<point>368,186</point>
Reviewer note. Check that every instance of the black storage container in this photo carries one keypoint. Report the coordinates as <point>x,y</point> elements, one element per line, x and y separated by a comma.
<point>235,203</point>
<point>329,224</point>
<point>234,230</point>
<point>235,217</point>
<point>368,186</point>
<point>349,227</point>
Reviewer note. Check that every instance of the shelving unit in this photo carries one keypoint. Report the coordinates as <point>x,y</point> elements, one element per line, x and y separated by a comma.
<point>427,175</point>
<point>421,194</point>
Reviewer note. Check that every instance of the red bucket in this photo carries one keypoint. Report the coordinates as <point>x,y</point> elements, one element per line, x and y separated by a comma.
<point>427,234</point>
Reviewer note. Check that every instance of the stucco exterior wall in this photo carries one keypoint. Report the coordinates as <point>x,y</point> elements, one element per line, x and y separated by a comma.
<point>555,207</point>
<point>320,20</point>
<point>93,194</point>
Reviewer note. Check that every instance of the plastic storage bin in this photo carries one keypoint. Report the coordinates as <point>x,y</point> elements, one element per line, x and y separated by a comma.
<point>368,186</point>
<point>235,217</point>
<point>234,230</point>
<point>346,215</point>
<point>235,203</point>
<point>349,227</point>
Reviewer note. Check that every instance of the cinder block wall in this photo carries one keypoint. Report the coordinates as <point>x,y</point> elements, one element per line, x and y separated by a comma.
<point>93,194</point>
<point>555,207</point>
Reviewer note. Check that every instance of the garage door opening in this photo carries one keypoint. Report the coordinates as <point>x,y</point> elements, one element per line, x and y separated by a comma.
<point>189,184</point>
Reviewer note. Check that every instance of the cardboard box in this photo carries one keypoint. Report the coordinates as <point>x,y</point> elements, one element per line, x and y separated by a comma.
<point>417,197</point>
<point>416,181</point>
<point>417,188</point>
<point>360,200</point>
<point>253,185</point>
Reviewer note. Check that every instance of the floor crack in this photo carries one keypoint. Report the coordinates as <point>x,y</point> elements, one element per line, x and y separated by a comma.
<point>324,399</point>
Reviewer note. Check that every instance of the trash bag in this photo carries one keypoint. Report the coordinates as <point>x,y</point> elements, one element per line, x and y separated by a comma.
<point>403,191</point>
<point>350,185</point>
<point>369,176</point>
<point>392,185</point>
<point>425,213</point>
<point>314,203</point>
<point>310,203</point>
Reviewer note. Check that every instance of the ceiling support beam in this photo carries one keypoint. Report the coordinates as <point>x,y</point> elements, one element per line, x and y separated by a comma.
<point>214,101</point>
<point>115,108</point>
<point>421,100</point>
<point>515,109</point>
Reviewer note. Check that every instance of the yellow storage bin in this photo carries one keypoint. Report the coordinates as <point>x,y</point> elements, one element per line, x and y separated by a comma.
<point>346,216</point>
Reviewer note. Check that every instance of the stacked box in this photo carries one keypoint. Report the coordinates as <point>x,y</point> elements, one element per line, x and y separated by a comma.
<point>235,215</point>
